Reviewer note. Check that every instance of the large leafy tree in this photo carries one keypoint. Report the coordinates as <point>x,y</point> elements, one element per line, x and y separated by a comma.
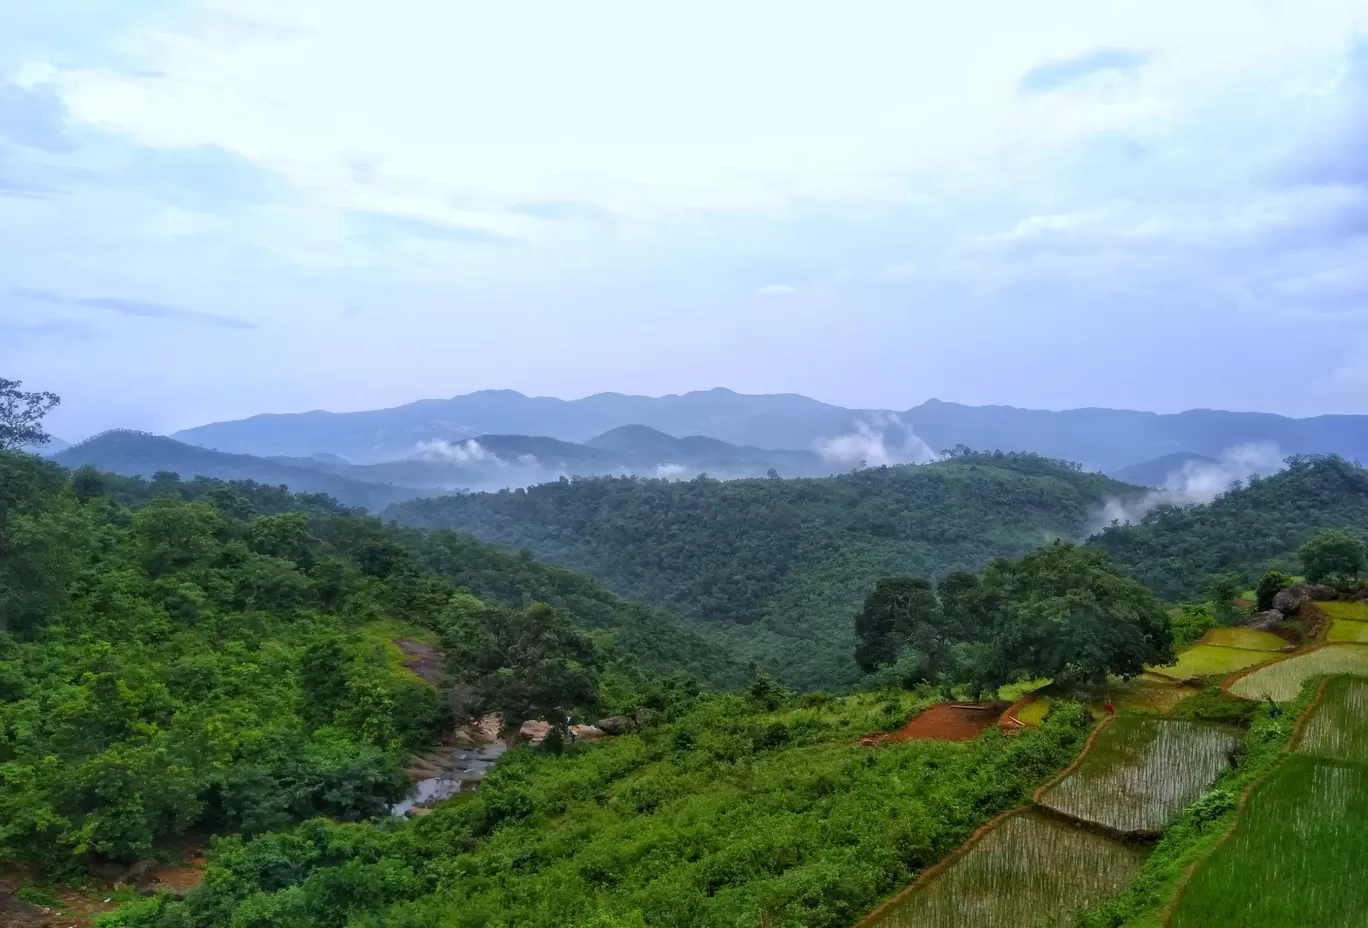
<point>1063,612</point>
<point>21,416</point>
<point>1334,552</point>
<point>526,664</point>
<point>902,613</point>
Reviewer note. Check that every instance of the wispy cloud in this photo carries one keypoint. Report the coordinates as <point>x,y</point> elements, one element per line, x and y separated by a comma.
<point>34,117</point>
<point>385,225</point>
<point>144,309</point>
<point>777,290</point>
<point>1060,73</point>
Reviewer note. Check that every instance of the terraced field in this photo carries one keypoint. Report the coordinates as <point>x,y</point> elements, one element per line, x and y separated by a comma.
<point>1249,638</point>
<point>1141,772</point>
<point>1349,621</point>
<point>1030,870</point>
<point>1297,858</point>
<point>1212,660</point>
<point>1283,680</point>
<point>1338,729</point>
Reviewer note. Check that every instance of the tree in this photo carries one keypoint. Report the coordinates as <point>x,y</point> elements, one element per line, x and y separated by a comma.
<point>21,416</point>
<point>1270,585</point>
<point>1224,590</point>
<point>902,612</point>
<point>1333,552</point>
<point>1063,612</point>
<point>528,664</point>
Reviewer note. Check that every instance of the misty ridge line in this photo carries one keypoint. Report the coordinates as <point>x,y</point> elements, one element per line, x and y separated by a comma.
<point>1196,483</point>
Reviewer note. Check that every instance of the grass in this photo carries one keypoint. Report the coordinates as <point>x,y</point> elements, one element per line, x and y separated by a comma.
<point>382,632</point>
<point>1210,660</point>
<point>1284,679</point>
<point>1348,630</point>
<point>1028,863</point>
<point>1356,612</point>
<point>1249,638</point>
<point>1142,772</point>
<point>1337,730</point>
<point>1297,858</point>
<point>1034,713</point>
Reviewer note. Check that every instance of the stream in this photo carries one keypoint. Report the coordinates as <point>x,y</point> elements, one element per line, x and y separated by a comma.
<point>462,768</point>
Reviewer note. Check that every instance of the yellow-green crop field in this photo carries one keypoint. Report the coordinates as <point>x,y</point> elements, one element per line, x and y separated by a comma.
<point>1211,660</point>
<point>1249,638</point>
<point>1284,679</point>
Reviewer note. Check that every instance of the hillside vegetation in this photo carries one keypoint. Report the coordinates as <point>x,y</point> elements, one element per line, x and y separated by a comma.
<point>206,657</point>
<point>1175,551</point>
<point>781,566</point>
<point>725,811</point>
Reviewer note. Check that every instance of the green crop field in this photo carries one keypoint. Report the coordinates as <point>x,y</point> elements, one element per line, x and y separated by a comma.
<point>1210,660</point>
<point>1030,870</point>
<point>1348,630</point>
<point>1033,713</point>
<point>1357,612</point>
<point>1249,638</point>
<point>1283,680</point>
<point>1141,772</point>
<point>1297,858</point>
<point>1339,728</point>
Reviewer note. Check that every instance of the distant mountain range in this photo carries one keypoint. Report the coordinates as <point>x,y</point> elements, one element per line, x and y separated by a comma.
<point>1106,440</point>
<point>440,467</point>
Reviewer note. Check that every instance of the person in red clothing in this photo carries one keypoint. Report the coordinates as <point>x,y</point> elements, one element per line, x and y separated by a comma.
<point>1111,710</point>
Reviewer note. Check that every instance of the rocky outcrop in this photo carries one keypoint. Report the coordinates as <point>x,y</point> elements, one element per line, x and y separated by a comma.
<point>1263,621</point>
<point>617,724</point>
<point>1290,600</point>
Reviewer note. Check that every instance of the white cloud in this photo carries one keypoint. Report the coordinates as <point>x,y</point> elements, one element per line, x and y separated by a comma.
<point>772,290</point>
<point>884,439</point>
<point>456,106</point>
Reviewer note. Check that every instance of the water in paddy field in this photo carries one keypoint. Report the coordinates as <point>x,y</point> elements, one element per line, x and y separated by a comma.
<point>462,769</point>
<point>1141,772</point>
<point>1030,870</point>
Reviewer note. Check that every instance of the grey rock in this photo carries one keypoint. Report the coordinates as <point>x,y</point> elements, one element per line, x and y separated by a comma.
<point>616,724</point>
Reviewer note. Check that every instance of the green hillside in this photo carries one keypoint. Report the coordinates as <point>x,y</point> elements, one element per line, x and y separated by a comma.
<point>1176,550</point>
<point>780,566</point>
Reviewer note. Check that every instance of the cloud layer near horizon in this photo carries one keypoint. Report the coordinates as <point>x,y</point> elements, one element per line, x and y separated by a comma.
<point>233,206</point>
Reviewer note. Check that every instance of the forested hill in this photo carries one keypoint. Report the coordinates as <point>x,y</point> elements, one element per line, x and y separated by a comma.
<point>1175,551</point>
<point>782,565</point>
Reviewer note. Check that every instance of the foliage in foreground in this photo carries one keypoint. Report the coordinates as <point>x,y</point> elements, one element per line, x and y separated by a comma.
<point>721,814</point>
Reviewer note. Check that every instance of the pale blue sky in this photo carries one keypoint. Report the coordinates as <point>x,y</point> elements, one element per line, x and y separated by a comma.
<point>212,208</point>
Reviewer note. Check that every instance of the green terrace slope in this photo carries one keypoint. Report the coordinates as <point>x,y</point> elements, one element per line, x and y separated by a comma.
<point>781,566</point>
<point>1175,550</point>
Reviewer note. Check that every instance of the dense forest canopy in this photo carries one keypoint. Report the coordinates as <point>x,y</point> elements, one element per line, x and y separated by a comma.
<point>1176,551</point>
<point>215,657</point>
<point>782,565</point>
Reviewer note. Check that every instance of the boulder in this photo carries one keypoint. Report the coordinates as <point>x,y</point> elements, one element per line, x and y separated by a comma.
<point>1360,596</point>
<point>616,724</point>
<point>1263,621</point>
<point>1290,600</point>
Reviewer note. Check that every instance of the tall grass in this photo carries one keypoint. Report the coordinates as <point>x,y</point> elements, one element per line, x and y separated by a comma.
<point>1298,857</point>
<point>1339,728</point>
<point>1283,680</point>
<point>1141,772</point>
<point>1029,870</point>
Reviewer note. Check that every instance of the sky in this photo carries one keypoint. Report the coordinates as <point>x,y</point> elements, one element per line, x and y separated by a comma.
<point>214,208</point>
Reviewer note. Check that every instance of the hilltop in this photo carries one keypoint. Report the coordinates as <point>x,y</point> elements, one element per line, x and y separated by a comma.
<point>1175,550</point>
<point>780,566</point>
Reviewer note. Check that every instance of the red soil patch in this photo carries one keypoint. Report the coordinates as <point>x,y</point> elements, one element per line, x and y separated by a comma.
<point>945,721</point>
